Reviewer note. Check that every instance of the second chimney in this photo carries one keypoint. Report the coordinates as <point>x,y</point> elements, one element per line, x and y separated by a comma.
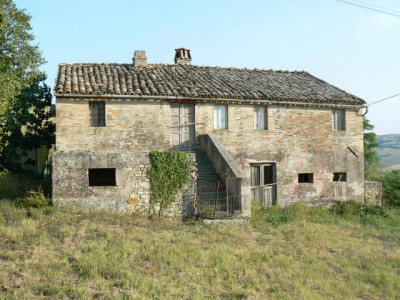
<point>182,56</point>
<point>139,58</point>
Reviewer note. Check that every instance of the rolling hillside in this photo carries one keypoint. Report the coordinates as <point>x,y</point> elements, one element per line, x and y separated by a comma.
<point>389,150</point>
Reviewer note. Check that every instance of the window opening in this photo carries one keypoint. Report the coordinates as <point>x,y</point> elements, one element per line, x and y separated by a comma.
<point>102,177</point>
<point>339,119</point>
<point>97,113</point>
<point>340,176</point>
<point>220,117</point>
<point>306,177</point>
<point>263,182</point>
<point>260,117</point>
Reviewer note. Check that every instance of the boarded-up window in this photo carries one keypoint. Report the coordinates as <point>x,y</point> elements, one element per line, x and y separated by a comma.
<point>306,177</point>
<point>339,119</point>
<point>97,113</point>
<point>340,176</point>
<point>260,118</point>
<point>220,117</point>
<point>102,177</point>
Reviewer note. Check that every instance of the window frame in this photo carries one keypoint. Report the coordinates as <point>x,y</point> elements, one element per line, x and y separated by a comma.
<point>260,117</point>
<point>339,119</point>
<point>97,113</point>
<point>218,117</point>
<point>305,178</point>
<point>93,182</point>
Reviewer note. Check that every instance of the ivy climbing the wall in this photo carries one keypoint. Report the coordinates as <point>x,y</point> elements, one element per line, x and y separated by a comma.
<point>168,173</point>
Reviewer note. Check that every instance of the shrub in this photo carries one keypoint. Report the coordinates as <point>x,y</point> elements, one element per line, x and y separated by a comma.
<point>33,199</point>
<point>168,173</point>
<point>354,208</point>
<point>275,215</point>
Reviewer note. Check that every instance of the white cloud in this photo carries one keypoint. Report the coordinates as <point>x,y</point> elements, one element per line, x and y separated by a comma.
<point>384,21</point>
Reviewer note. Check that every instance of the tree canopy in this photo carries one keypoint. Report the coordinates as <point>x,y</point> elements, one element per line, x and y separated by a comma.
<point>371,160</point>
<point>28,124</point>
<point>19,58</point>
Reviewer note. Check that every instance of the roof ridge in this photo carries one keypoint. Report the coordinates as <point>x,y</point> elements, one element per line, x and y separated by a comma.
<point>188,66</point>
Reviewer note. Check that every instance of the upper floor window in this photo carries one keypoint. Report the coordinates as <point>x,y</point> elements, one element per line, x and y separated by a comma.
<point>339,119</point>
<point>260,118</point>
<point>220,117</point>
<point>97,113</point>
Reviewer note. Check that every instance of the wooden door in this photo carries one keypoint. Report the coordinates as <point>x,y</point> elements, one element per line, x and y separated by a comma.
<point>182,127</point>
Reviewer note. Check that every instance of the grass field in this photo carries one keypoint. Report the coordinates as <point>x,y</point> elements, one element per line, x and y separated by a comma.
<point>296,253</point>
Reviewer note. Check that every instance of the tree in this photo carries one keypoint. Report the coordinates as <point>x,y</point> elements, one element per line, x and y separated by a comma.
<point>27,124</point>
<point>371,161</point>
<point>19,59</point>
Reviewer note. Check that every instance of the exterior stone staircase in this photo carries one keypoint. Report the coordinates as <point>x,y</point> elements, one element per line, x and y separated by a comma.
<point>211,191</point>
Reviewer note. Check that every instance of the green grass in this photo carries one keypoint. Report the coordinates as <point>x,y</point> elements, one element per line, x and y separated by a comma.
<point>297,252</point>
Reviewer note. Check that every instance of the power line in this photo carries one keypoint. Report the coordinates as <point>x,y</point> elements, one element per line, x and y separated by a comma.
<point>390,97</point>
<point>384,8</point>
<point>370,8</point>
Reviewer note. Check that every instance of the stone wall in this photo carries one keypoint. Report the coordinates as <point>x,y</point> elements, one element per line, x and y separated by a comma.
<point>373,192</point>
<point>298,140</point>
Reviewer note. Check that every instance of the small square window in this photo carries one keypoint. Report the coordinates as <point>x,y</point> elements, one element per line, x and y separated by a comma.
<point>220,117</point>
<point>97,113</point>
<point>340,176</point>
<point>306,177</point>
<point>102,177</point>
<point>339,119</point>
<point>260,118</point>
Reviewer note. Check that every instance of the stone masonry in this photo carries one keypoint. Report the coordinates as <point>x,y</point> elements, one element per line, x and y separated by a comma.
<point>298,139</point>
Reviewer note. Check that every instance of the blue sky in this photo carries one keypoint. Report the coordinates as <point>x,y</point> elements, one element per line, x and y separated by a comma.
<point>352,48</point>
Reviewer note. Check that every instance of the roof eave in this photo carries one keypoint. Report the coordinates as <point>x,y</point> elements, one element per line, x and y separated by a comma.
<point>212,99</point>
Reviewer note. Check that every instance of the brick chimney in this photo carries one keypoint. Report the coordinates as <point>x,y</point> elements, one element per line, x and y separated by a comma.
<point>182,56</point>
<point>139,58</point>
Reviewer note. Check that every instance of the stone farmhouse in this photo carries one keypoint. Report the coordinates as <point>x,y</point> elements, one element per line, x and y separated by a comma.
<point>274,136</point>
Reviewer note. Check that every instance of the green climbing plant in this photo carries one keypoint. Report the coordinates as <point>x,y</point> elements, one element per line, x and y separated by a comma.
<point>168,173</point>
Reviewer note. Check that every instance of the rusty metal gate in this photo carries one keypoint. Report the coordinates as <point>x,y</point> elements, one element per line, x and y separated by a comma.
<point>207,198</point>
<point>233,195</point>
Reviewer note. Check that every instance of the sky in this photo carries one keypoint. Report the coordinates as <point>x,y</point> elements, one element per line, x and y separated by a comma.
<point>355,49</point>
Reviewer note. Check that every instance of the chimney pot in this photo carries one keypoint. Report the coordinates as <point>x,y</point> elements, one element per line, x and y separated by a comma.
<point>182,56</point>
<point>139,58</point>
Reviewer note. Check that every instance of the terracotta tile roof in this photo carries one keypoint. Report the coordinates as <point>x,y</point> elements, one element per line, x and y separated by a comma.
<point>190,81</point>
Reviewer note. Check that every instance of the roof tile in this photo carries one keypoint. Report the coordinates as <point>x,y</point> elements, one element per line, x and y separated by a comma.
<point>183,80</point>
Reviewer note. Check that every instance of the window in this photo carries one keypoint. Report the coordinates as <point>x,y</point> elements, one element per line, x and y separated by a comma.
<point>97,113</point>
<point>102,177</point>
<point>263,174</point>
<point>339,119</point>
<point>340,176</point>
<point>220,117</point>
<point>306,177</point>
<point>260,118</point>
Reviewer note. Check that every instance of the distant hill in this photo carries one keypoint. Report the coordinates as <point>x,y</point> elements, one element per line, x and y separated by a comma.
<point>389,150</point>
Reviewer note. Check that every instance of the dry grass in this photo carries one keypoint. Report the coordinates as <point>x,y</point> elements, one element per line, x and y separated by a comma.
<point>53,254</point>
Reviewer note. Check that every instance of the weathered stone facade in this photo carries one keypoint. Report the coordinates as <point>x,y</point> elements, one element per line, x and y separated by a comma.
<point>298,140</point>
<point>373,192</point>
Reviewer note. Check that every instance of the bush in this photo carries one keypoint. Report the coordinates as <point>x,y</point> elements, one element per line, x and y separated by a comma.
<point>391,188</point>
<point>354,208</point>
<point>275,215</point>
<point>33,199</point>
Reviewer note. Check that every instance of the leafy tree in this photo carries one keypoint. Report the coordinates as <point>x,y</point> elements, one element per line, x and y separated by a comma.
<point>19,59</point>
<point>27,124</point>
<point>391,187</point>
<point>371,160</point>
